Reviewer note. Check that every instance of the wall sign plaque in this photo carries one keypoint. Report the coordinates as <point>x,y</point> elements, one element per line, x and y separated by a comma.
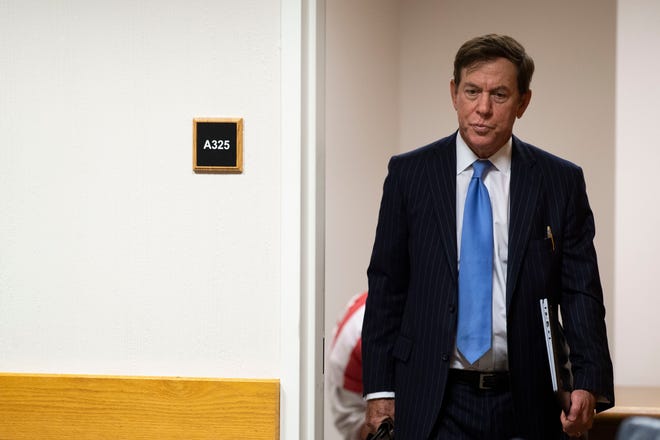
<point>218,145</point>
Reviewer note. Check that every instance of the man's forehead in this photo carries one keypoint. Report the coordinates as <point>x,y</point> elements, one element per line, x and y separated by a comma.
<point>476,65</point>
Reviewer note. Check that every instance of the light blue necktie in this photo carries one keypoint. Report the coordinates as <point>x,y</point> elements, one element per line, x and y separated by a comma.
<point>475,275</point>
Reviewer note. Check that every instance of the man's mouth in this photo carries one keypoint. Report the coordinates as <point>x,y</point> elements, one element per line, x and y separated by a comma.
<point>481,128</point>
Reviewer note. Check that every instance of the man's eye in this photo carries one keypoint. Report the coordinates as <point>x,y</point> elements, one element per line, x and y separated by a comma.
<point>471,92</point>
<point>500,97</point>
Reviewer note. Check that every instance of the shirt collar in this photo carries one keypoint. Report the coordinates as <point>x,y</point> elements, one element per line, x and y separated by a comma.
<point>501,160</point>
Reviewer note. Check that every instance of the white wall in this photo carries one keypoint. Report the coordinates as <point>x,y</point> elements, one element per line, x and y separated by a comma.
<point>362,130</point>
<point>114,257</point>
<point>637,299</point>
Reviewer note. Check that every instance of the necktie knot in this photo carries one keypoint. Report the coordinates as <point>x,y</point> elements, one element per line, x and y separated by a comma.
<point>480,167</point>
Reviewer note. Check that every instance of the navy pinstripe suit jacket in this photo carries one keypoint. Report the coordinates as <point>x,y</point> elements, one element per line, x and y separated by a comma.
<point>410,321</point>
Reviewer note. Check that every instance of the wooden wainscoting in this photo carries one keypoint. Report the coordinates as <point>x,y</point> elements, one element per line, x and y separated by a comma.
<point>59,407</point>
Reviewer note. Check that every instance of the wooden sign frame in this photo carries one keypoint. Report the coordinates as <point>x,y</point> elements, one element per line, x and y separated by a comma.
<point>218,145</point>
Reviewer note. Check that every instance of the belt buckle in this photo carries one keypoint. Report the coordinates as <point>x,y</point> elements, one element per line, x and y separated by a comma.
<point>482,381</point>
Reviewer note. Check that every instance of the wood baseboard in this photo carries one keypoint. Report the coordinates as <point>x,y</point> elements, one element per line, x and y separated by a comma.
<point>58,407</point>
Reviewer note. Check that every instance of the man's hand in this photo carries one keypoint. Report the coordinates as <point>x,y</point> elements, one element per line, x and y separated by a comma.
<point>377,411</point>
<point>581,416</point>
<point>364,432</point>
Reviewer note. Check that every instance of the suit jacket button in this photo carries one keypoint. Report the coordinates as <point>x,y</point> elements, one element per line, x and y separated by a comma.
<point>452,309</point>
<point>445,357</point>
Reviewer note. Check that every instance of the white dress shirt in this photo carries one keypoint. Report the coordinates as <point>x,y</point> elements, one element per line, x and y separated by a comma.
<point>497,181</point>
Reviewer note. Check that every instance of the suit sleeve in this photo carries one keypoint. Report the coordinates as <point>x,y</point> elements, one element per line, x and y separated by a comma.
<point>582,309</point>
<point>388,275</point>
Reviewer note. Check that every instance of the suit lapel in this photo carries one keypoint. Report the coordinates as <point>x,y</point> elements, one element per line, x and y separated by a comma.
<point>441,170</point>
<point>525,184</point>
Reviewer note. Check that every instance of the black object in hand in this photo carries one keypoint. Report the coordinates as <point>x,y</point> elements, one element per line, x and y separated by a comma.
<point>385,431</point>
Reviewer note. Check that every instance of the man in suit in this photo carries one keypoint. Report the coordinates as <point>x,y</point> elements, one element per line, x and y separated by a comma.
<point>429,276</point>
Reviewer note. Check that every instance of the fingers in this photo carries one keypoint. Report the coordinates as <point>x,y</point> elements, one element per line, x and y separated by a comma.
<point>580,418</point>
<point>364,432</point>
<point>377,411</point>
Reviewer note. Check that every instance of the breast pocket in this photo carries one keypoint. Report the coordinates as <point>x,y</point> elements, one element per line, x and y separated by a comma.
<point>542,245</point>
<point>540,262</point>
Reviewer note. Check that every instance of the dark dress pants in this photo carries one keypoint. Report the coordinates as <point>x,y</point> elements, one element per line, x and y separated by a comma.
<point>469,413</point>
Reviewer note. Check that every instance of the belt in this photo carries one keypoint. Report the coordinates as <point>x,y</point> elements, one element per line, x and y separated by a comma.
<point>496,380</point>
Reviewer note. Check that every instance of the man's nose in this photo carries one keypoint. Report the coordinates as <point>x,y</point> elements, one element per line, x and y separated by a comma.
<point>484,106</point>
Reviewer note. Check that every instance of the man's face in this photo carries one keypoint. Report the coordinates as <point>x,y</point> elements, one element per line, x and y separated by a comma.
<point>487,103</point>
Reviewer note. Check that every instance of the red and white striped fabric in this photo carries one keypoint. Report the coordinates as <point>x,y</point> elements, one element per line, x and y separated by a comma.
<point>344,370</point>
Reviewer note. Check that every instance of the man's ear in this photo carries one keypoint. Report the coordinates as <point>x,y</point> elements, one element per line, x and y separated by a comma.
<point>524,102</point>
<point>452,91</point>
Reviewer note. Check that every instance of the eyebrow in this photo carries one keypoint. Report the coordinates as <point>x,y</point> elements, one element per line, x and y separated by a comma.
<point>500,88</point>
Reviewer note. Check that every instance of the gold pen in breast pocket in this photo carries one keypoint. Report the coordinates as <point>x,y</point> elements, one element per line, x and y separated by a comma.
<point>549,236</point>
